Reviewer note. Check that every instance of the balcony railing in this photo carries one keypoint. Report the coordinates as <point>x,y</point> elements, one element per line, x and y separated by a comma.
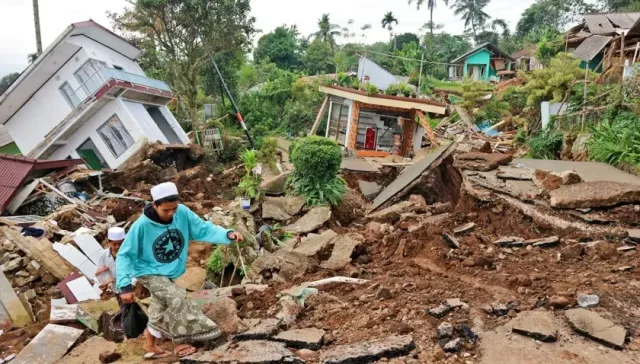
<point>100,77</point>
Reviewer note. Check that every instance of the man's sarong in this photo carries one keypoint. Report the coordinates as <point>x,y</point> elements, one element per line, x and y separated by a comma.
<point>172,314</point>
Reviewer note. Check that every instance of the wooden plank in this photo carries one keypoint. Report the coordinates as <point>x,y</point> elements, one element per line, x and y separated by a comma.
<point>323,108</point>
<point>427,127</point>
<point>54,189</point>
<point>12,304</point>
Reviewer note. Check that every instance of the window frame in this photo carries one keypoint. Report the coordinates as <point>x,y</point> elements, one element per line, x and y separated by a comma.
<point>107,143</point>
<point>68,97</point>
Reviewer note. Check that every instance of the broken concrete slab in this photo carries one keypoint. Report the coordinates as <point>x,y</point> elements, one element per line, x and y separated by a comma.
<point>89,351</point>
<point>287,265</point>
<point>275,186</point>
<point>412,173</point>
<point>49,345</point>
<point>42,251</point>
<point>456,302</point>
<point>596,327</point>
<point>369,351</point>
<point>12,305</point>
<point>452,242</point>
<point>594,194</point>
<point>515,173</point>
<point>548,242</point>
<point>484,162</point>
<point>263,330</point>
<point>246,352</point>
<point>282,208</point>
<point>464,229</point>
<point>310,338</point>
<point>192,279</point>
<point>369,189</point>
<point>89,312</point>
<point>634,235</point>
<point>313,220</point>
<point>453,346</point>
<point>589,171</point>
<point>315,243</point>
<point>536,324</point>
<point>358,165</point>
<point>445,330</point>
<point>343,247</point>
<point>390,213</point>
<point>510,242</point>
<point>440,311</point>
<point>224,312</point>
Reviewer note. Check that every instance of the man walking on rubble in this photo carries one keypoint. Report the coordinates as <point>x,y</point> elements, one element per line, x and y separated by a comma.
<point>106,272</point>
<point>155,252</point>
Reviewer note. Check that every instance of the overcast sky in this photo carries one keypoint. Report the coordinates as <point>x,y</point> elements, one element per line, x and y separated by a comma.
<point>17,36</point>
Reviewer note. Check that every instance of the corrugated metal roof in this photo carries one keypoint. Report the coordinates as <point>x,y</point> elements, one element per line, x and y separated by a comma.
<point>622,20</point>
<point>599,24</point>
<point>490,47</point>
<point>591,46</point>
<point>14,170</point>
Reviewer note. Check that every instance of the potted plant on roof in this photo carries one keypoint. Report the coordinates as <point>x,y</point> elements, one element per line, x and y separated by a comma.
<point>249,187</point>
<point>392,90</point>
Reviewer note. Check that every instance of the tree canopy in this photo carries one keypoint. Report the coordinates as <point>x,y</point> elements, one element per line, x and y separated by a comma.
<point>280,47</point>
<point>7,80</point>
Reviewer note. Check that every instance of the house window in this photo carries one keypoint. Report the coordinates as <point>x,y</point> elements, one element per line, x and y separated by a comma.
<point>115,136</point>
<point>69,95</point>
<point>89,77</point>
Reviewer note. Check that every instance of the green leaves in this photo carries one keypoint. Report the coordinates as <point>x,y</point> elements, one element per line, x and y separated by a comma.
<point>249,186</point>
<point>317,162</point>
<point>616,140</point>
<point>545,145</point>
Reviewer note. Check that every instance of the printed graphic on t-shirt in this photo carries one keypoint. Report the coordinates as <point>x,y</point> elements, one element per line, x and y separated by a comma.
<point>168,246</point>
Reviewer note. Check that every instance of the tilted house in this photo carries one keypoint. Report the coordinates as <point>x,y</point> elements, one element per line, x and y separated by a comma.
<point>86,97</point>
<point>485,62</point>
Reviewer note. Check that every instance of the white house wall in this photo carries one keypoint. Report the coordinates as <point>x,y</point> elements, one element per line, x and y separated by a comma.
<point>100,52</point>
<point>89,130</point>
<point>46,108</point>
<point>140,114</point>
<point>175,125</point>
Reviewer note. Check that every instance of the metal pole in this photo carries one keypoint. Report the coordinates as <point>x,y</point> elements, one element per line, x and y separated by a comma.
<point>36,20</point>
<point>420,75</point>
<point>233,103</point>
<point>584,100</point>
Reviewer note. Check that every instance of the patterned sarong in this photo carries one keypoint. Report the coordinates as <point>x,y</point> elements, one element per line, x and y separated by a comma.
<point>172,314</point>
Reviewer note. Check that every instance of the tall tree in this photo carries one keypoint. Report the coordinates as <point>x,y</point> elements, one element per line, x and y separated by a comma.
<point>388,21</point>
<point>327,32</point>
<point>544,14</point>
<point>7,80</point>
<point>472,12</point>
<point>185,34</point>
<point>280,47</point>
<point>406,38</point>
<point>620,5</point>
<point>319,58</point>
<point>431,4</point>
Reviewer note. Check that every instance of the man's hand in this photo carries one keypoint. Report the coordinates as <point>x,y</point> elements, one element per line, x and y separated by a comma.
<point>101,270</point>
<point>236,236</point>
<point>127,297</point>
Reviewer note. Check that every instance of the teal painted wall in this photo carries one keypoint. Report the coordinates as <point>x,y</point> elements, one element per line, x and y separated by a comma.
<point>593,63</point>
<point>481,57</point>
<point>11,148</point>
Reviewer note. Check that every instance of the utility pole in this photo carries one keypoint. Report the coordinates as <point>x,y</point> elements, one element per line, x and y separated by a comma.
<point>36,21</point>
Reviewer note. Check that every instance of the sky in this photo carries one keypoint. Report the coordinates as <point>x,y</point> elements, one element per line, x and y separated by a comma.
<point>17,35</point>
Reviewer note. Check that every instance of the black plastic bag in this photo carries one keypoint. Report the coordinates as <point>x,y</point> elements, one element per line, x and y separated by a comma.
<point>132,320</point>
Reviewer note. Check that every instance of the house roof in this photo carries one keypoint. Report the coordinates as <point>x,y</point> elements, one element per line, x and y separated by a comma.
<point>488,46</point>
<point>591,46</point>
<point>14,171</point>
<point>528,51</point>
<point>397,102</point>
<point>54,57</point>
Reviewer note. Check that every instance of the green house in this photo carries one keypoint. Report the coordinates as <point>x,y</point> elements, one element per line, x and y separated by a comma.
<point>485,62</point>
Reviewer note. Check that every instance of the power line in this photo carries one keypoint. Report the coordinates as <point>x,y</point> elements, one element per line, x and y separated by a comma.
<point>410,59</point>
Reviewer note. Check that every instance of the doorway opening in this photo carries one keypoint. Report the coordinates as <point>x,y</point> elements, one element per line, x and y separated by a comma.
<point>91,155</point>
<point>163,124</point>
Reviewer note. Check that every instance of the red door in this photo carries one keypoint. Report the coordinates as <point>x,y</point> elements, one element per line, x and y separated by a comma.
<point>370,139</point>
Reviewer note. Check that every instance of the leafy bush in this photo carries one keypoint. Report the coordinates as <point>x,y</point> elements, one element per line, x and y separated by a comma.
<point>216,260</point>
<point>493,110</point>
<point>616,140</point>
<point>392,89</point>
<point>552,82</point>
<point>267,153</point>
<point>370,89</point>
<point>249,186</point>
<point>317,162</point>
<point>547,144</point>
<point>473,93</point>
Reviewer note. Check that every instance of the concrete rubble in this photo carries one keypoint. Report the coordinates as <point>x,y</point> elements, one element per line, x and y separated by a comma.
<point>595,327</point>
<point>310,338</point>
<point>246,352</point>
<point>314,219</point>
<point>536,324</point>
<point>370,351</point>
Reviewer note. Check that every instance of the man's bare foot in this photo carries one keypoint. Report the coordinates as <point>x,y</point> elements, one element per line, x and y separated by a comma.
<point>149,345</point>
<point>183,350</point>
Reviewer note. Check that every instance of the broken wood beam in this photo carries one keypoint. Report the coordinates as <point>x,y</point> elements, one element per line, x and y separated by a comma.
<point>422,117</point>
<point>323,108</point>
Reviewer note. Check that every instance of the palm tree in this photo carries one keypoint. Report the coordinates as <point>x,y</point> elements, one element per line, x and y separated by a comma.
<point>471,12</point>
<point>431,4</point>
<point>327,32</point>
<point>387,22</point>
<point>502,24</point>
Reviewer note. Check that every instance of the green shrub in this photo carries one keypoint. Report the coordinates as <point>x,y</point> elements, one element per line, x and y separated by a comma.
<point>215,262</point>
<point>547,144</point>
<point>230,151</point>
<point>267,153</point>
<point>249,186</point>
<point>391,89</point>
<point>317,163</point>
<point>616,140</point>
<point>371,89</point>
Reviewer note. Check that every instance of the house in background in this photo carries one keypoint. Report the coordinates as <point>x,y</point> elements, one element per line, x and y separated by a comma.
<point>372,73</point>
<point>485,62</point>
<point>7,146</point>
<point>86,97</point>
<point>525,59</point>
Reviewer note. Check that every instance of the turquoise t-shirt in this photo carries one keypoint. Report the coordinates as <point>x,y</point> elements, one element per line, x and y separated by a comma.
<point>151,248</point>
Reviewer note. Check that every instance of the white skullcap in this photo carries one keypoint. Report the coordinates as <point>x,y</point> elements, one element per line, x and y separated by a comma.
<point>164,190</point>
<point>116,234</point>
